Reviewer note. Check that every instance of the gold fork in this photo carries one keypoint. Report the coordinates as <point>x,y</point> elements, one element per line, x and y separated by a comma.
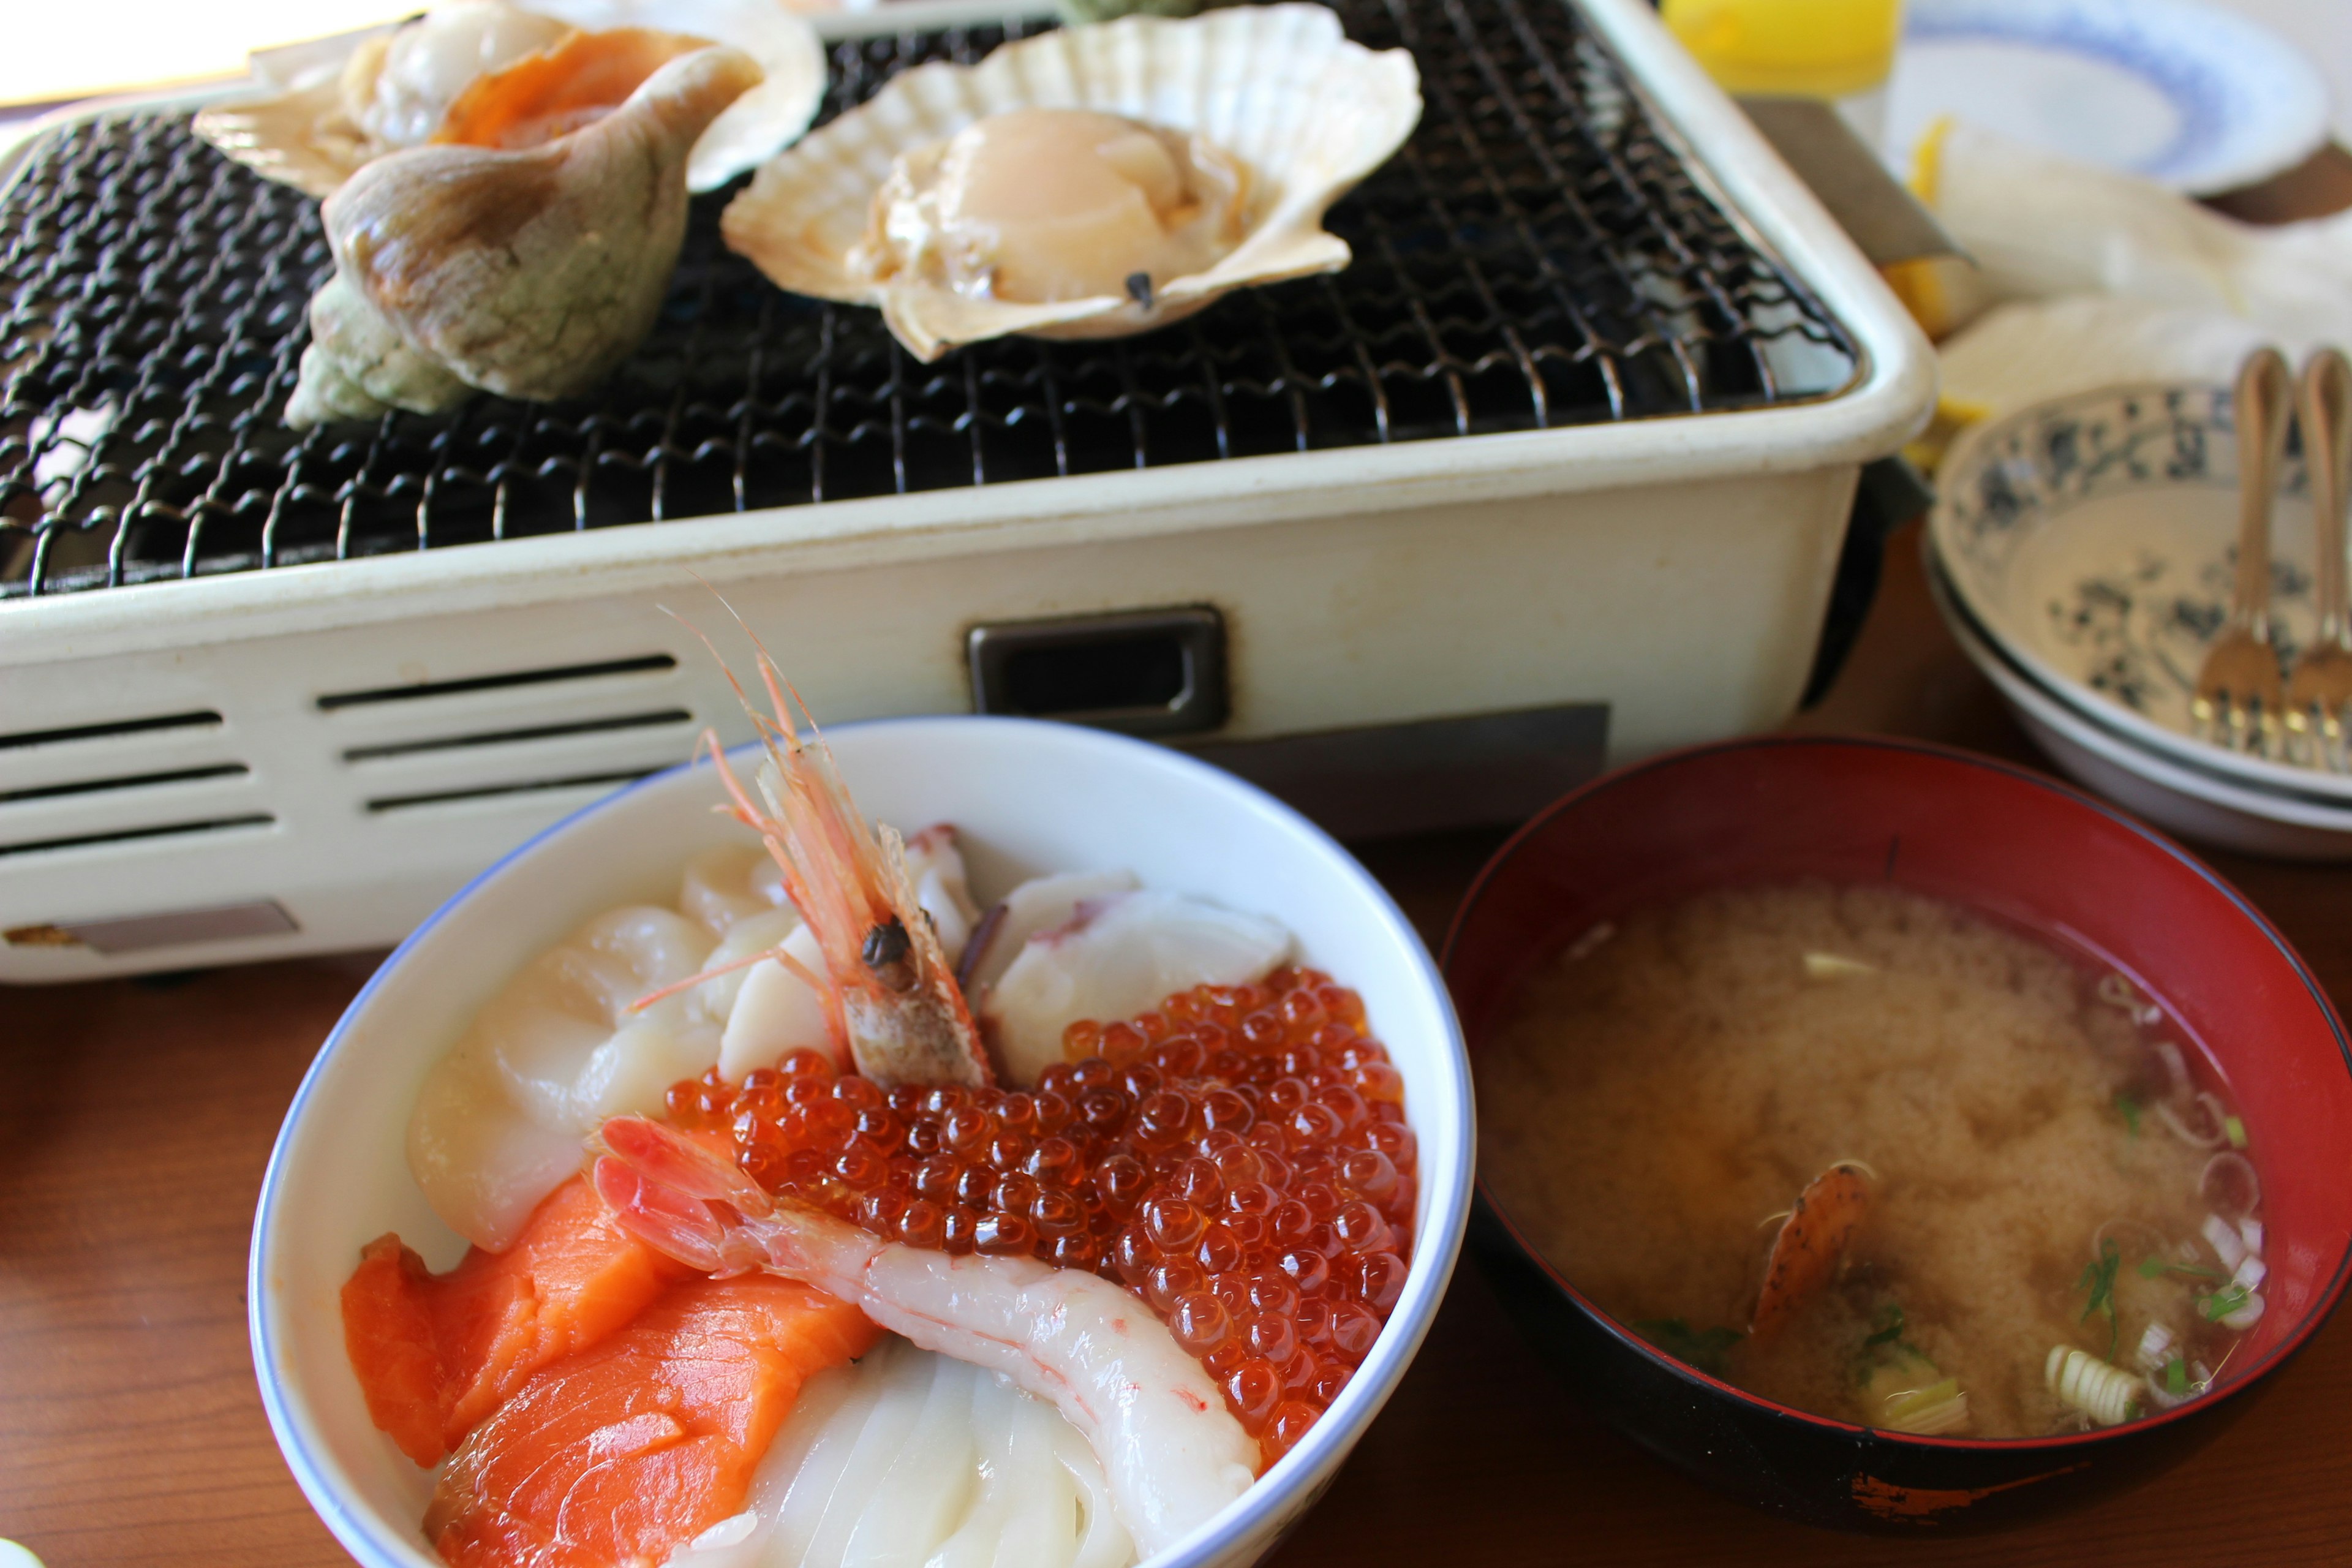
<point>2239,690</point>
<point>2320,691</point>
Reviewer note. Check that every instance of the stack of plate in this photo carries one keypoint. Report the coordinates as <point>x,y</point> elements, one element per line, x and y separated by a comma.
<point>2082,551</point>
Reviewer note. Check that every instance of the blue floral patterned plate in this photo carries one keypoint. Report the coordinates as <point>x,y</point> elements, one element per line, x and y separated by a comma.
<point>2094,538</point>
<point>2190,96</point>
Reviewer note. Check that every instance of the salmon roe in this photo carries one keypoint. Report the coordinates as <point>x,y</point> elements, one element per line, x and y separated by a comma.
<point>1238,1158</point>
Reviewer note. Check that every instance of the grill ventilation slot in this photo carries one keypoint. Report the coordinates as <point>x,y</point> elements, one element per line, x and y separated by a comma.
<point>206,718</point>
<point>642,664</point>
<point>128,781</point>
<point>665,716</point>
<point>492,791</point>
<point>129,834</point>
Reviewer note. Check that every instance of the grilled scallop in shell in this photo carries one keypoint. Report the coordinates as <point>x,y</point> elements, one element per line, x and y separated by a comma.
<point>528,254</point>
<point>1089,182</point>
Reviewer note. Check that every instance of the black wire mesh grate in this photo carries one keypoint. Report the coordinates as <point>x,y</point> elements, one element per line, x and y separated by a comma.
<point>1538,256</point>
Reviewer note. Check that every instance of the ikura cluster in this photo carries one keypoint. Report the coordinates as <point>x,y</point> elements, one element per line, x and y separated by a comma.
<point>1238,1158</point>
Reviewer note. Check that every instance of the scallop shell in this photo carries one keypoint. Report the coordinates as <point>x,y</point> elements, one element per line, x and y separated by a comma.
<point>298,133</point>
<point>1280,87</point>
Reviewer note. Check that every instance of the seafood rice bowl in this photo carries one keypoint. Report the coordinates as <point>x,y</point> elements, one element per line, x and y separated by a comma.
<point>1050,877</point>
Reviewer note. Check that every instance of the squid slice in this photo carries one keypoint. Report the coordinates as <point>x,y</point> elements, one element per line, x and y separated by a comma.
<point>1812,1238</point>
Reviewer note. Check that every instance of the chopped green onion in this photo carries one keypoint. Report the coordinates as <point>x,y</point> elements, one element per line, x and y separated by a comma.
<point>2222,1303</point>
<point>2099,1279</point>
<point>2176,1378</point>
<point>1939,1408</point>
<point>1704,1348</point>
<point>2235,1130</point>
<point>2150,1268</point>
<point>1835,967</point>
<point>2130,1108</point>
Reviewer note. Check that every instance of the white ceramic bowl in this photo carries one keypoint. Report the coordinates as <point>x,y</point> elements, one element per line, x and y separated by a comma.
<point>2209,808</point>
<point>1027,798</point>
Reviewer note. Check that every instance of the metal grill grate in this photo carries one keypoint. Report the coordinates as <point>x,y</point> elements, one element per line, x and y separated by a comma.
<point>1538,256</point>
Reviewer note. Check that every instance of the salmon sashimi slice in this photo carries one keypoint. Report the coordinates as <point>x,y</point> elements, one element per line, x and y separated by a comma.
<point>631,1448</point>
<point>435,1354</point>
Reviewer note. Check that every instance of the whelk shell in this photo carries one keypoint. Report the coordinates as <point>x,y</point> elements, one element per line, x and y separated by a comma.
<point>1279,87</point>
<point>301,131</point>
<point>531,271</point>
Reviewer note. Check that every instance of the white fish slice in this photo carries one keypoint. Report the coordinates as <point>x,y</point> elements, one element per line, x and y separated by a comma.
<point>1118,956</point>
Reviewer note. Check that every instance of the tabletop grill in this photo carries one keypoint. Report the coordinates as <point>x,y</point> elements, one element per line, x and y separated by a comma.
<point>252,702</point>
<point>1538,257</point>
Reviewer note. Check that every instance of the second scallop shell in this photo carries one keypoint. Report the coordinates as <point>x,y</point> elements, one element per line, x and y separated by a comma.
<point>1280,87</point>
<point>301,131</point>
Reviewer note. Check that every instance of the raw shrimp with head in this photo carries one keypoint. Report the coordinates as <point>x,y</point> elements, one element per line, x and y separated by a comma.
<point>1171,1452</point>
<point>889,983</point>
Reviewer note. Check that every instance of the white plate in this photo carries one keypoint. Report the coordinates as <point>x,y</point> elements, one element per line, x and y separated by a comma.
<point>1024,797</point>
<point>2180,799</point>
<point>2093,538</point>
<point>2193,98</point>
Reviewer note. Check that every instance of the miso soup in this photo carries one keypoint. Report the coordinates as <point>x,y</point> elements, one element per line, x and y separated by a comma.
<point>2005,1159</point>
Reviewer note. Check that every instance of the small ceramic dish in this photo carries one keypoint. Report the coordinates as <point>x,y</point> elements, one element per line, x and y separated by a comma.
<point>2020,849</point>
<point>2091,539</point>
<point>2209,808</point>
<point>1025,797</point>
<point>2188,95</point>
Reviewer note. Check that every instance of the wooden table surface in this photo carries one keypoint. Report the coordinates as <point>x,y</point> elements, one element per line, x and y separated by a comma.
<point>136,1117</point>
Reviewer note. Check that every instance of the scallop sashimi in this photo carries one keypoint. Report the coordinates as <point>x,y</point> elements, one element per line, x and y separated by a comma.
<point>499,1122</point>
<point>437,1354</point>
<point>631,1448</point>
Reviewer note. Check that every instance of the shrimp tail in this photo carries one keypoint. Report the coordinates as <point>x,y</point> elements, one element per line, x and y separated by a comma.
<point>679,1197</point>
<point>665,1219</point>
<point>679,1163</point>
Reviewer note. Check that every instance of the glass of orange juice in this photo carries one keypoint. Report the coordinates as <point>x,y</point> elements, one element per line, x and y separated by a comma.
<point>1843,50</point>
